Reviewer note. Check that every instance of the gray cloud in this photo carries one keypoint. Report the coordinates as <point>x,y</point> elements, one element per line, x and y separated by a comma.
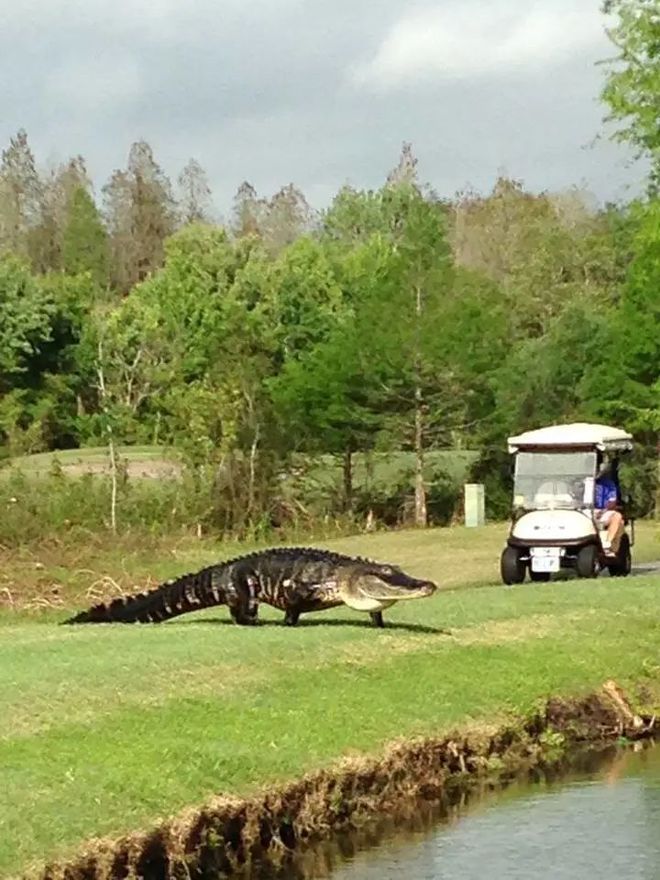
<point>316,93</point>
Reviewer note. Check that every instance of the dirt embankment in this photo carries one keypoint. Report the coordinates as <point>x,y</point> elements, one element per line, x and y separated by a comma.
<point>229,837</point>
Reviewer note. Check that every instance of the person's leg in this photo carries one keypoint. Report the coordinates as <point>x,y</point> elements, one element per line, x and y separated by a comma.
<point>615,531</point>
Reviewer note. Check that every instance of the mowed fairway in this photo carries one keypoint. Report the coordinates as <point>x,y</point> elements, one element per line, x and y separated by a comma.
<point>106,729</point>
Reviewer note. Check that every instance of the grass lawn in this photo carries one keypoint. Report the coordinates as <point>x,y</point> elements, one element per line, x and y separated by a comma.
<point>147,461</point>
<point>106,729</point>
<point>380,466</point>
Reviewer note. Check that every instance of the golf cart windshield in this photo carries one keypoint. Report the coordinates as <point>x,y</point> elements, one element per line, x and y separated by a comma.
<point>551,480</point>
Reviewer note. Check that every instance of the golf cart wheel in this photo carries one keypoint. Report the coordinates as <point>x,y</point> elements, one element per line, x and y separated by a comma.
<point>621,566</point>
<point>539,575</point>
<point>586,563</point>
<point>512,568</point>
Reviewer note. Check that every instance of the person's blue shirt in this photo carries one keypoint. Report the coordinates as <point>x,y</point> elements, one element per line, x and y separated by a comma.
<point>605,492</point>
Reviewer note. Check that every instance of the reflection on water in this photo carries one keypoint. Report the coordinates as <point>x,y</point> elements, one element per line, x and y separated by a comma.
<point>601,822</point>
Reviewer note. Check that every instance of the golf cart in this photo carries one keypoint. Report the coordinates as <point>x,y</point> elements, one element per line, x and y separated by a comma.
<point>554,525</point>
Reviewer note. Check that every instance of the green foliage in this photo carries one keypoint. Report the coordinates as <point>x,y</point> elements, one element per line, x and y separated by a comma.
<point>25,314</point>
<point>58,505</point>
<point>632,90</point>
<point>308,303</point>
<point>626,386</point>
<point>398,323</point>
<point>85,243</point>
<point>140,215</point>
<point>20,196</point>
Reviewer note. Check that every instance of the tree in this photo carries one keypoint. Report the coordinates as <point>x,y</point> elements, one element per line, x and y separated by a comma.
<point>195,194</point>
<point>327,390</point>
<point>624,385</point>
<point>24,318</point>
<point>543,251</point>
<point>249,212</point>
<point>46,237</point>
<point>327,401</point>
<point>85,242</point>
<point>25,327</point>
<point>632,90</point>
<point>20,195</point>
<point>307,300</point>
<point>140,215</point>
<point>418,232</point>
<point>288,216</point>
<point>353,216</point>
<point>405,171</point>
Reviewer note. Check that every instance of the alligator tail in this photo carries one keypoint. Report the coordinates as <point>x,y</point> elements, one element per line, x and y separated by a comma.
<point>190,592</point>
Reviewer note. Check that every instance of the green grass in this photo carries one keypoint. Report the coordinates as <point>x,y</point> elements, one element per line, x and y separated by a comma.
<point>321,471</point>
<point>387,467</point>
<point>41,462</point>
<point>154,460</point>
<point>106,729</point>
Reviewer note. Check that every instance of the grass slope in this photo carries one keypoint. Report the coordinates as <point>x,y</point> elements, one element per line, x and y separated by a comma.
<point>321,471</point>
<point>105,729</point>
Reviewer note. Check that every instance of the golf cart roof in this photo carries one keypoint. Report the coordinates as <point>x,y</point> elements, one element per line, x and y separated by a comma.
<point>576,435</point>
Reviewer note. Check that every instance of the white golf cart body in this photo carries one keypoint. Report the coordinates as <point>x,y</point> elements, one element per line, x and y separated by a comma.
<point>553,504</point>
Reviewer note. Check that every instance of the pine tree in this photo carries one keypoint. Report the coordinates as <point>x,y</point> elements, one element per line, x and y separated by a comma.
<point>195,194</point>
<point>140,215</point>
<point>20,195</point>
<point>288,216</point>
<point>249,212</point>
<point>85,243</point>
<point>406,168</point>
<point>46,238</point>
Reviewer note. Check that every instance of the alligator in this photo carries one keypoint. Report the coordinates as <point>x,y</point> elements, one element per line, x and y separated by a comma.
<point>295,580</point>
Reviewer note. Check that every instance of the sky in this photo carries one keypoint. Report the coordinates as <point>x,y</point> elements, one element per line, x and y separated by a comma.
<point>318,92</point>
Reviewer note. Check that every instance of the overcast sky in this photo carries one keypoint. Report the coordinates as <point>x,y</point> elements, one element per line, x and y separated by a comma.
<point>318,92</point>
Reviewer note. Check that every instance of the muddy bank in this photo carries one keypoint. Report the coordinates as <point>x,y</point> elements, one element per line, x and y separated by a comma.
<point>234,837</point>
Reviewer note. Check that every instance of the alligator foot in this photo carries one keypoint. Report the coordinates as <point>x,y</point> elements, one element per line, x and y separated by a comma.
<point>243,618</point>
<point>291,618</point>
<point>377,618</point>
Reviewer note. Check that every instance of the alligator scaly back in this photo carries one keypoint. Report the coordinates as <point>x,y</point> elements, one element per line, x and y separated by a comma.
<point>295,580</point>
<point>190,592</point>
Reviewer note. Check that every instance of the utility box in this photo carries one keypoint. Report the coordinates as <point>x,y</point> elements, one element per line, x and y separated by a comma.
<point>475,505</point>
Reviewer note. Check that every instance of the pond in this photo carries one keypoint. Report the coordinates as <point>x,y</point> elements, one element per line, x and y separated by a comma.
<point>601,820</point>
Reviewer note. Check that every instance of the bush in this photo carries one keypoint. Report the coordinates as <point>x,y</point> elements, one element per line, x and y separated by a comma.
<point>639,479</point>
<point>33,508</point>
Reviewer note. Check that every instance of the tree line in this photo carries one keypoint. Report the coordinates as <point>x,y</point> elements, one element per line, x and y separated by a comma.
<point>392,320</point>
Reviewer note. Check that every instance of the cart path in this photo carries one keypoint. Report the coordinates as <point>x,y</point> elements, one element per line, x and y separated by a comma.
<point>646,568</point>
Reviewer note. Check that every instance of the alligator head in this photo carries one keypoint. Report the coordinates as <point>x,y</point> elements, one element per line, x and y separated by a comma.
<point>373,586</point>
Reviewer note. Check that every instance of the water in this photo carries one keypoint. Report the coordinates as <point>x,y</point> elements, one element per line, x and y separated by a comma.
<point>602,821</point>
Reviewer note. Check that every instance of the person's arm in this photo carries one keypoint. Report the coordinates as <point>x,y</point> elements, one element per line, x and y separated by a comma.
<point>612,501</point>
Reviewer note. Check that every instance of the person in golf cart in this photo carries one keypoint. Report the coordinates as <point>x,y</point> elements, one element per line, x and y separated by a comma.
<point>606,502</point>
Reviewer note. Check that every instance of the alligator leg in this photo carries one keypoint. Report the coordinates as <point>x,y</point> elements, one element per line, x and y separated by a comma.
<point>242,617</point>
<point>377,618</point>
<point>291,617</point>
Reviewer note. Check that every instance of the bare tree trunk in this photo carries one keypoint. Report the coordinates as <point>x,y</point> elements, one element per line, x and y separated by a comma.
<point>420,489</point>
<point>348,480</point>
<point>421,518</point>
<point>252,466</point>
<point>253,470</point>
<point>111,441</point>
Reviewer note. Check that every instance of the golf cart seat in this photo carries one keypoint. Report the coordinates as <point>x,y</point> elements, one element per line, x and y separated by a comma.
<point>552,493</point>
